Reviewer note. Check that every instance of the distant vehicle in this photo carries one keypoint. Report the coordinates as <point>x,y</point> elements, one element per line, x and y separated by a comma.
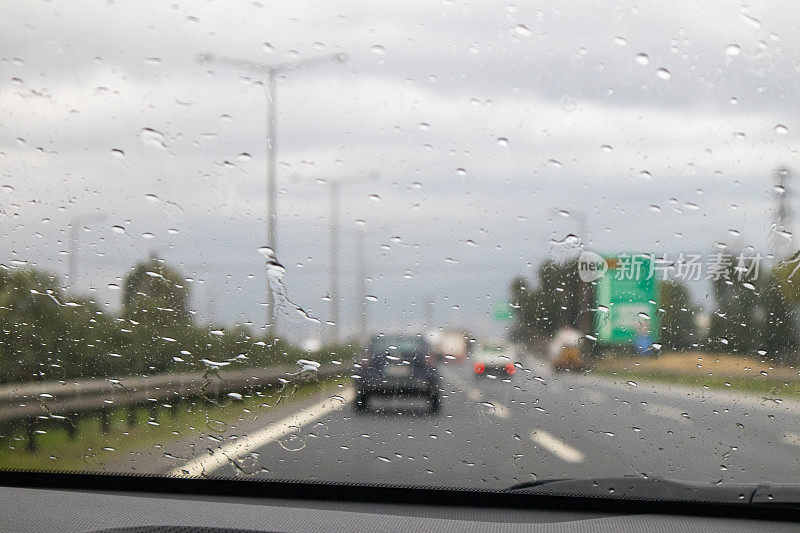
<point>494,360</point>
<point>565,350</point>
<point>452,346</point>
<point>397,365</point>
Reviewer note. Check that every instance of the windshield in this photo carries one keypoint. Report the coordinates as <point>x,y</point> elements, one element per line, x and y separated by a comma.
<point>580,217</point>
<point>397,345</point>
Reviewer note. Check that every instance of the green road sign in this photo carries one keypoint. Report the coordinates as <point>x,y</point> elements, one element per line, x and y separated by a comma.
<point>502,312</point>
<point>627,299</point>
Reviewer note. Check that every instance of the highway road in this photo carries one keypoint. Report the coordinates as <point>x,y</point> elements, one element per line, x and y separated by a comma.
<point>492,434</point>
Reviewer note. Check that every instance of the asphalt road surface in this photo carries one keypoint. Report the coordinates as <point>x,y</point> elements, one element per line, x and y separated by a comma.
<point>492,433</point>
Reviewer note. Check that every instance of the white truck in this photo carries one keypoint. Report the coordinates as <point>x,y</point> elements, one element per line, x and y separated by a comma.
<point>452,346</point>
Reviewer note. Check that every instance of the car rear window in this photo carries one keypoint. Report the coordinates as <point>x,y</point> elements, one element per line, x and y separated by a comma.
<point>396,345</point>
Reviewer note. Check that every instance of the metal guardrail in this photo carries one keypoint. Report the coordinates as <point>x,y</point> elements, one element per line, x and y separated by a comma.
<point>32,403</point>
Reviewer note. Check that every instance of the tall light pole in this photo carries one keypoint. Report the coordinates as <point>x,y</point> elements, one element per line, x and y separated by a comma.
<point>781,236</point>
<point>580,220</point>
<point>361,285</point>
<point>75,224</point>
<point>271,70</point>
<point>272,196</point>
<point>333,250</point>
<point>584,295</point>
<point>333,269</point>
<point>333,256</point>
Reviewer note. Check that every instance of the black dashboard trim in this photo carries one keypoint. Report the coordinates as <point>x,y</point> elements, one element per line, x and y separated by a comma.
<point>256,489</point>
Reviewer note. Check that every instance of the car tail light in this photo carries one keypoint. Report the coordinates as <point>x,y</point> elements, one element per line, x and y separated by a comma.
<point>479,367</point>
<point>510,368</point>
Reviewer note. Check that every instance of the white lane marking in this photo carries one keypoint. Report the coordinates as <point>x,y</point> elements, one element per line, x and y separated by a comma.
<point>475,395</point>
<point>553,444</point>
<point>224,454</point>
<point>792,438</point>
<point>452,375</point>
<point>664,411</point>
<point>595,396</point>
<point>553,385</point>
<point>499,410</point>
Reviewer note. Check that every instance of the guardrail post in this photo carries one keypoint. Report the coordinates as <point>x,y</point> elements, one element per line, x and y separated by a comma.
<point>10,427</point>
<point>153,412</point>
<point>71,427</point>
<point>31,424</point>
<point>105,426</point>
<point>132,416</point>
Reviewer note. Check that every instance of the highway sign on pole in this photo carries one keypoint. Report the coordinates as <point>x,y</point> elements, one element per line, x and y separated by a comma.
<point>503,312</point>
<point>627,300</point>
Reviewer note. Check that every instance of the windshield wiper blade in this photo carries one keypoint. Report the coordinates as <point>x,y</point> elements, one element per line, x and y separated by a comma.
<point>537,483</point>
<point>655,488</point>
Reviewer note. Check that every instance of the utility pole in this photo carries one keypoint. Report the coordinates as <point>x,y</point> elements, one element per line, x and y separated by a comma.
<point>782,235</point>
<point>271,70</point>
<point>72,254</point>
<point>427,313</point>
<point>581,222</point>
<point>210,296</point>
<point>333,268</point>
<point>272,196</point>
<point>73,243</point>
<point>584,290</point>
<point>361,285</point>
<point>333,256</point>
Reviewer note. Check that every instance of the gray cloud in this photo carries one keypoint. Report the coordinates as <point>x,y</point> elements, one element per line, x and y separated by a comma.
<point>429,89</point>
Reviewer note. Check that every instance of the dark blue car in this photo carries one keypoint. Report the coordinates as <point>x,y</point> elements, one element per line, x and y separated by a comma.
<point>397,365</point>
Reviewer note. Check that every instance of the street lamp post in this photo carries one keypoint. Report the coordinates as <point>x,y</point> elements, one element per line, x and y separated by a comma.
<point>272,196</point>
<point>272,70</point>
<point>72,246</point>
<point>584,294</point>
<point>581,221</point>
<point>361,288</point>
<point>334,260</point>
<point>782,223</point>
<point>333,255</point>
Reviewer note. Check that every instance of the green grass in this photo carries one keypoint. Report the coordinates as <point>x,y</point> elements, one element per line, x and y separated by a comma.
<point>91,447</point>
<point>766,387</point>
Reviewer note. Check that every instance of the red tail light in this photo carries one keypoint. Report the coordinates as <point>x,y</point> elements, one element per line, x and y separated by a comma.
<point>479,367</point>
<point>510,368</point>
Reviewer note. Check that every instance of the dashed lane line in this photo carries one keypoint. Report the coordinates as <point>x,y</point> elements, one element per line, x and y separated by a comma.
<point>556,446</point>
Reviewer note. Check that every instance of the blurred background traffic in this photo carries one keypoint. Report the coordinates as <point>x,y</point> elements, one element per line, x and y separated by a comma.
<point>246,238</point>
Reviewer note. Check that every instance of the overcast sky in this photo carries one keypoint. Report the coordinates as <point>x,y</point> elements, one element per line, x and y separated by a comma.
<point>462,129</point>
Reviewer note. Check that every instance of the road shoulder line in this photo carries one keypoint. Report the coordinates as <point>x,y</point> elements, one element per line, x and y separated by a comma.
<point>206,464</point>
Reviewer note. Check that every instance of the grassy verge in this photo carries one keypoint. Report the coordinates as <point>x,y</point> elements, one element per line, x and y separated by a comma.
<point>766,387</point>
<point>154,426</point>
